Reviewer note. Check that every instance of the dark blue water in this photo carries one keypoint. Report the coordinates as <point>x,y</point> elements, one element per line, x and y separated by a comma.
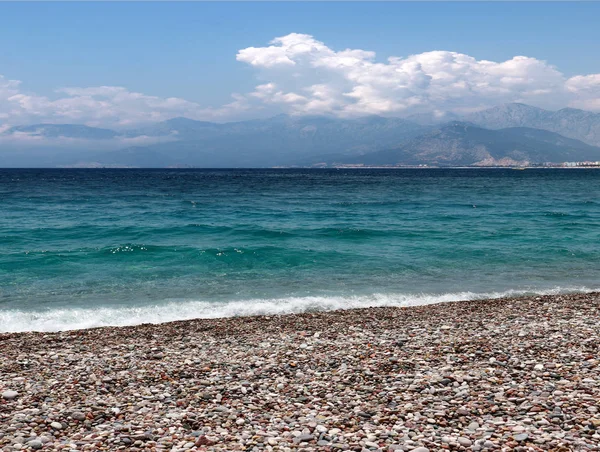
<point>82,248</point>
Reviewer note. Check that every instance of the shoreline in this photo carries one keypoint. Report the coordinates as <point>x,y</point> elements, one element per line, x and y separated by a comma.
<point>506,373</point>
<point>78,319</point>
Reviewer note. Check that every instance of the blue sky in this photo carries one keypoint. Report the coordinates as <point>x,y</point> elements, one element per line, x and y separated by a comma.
<point>188,50</point>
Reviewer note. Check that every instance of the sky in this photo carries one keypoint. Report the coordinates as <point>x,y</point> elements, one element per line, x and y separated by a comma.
<point>118,64</point>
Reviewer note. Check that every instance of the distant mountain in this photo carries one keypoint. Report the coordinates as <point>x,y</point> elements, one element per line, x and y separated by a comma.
<point>501,135</point>
<point>462,144</point>
<point>181,128</point>
<point>63,130</point>
<point>281,140</point>
<point>569,122</point>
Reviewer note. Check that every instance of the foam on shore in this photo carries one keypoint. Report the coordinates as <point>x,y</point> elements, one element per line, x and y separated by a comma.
<point>81,318</point>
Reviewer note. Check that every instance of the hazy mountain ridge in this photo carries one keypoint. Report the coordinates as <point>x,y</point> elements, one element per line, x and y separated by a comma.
<point>464,144</point>
<point>281,140</point>
<point>569,122</point>
<point>525,134</point>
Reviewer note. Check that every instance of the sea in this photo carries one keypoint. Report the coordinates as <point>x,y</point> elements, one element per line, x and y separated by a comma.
<point>83,248</point>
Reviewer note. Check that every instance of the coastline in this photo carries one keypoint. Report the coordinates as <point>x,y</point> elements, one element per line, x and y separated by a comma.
<point>508,373</point>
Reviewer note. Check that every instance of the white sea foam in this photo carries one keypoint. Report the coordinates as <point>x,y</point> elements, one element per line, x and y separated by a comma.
<point>80,318</point>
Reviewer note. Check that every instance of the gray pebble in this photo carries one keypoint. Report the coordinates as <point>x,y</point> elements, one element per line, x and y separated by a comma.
<point>9,395</point>
<point>78,416</point>
<point>521,437</point>
<point>466,442</point>
<point>304,438</point>
<point>35,444</point>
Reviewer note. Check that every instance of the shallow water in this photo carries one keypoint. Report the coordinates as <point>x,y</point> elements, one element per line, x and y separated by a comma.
<point>82,248</point>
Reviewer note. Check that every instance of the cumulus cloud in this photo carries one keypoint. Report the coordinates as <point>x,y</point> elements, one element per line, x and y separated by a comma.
<point>305,76</point>
<point>99,106</point>
<point>586,90</point>
<point>301,75</point>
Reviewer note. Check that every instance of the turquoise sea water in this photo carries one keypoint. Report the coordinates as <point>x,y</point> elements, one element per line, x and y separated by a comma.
<point>82,248</point>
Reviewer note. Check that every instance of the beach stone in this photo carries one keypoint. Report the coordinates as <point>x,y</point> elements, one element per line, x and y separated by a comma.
<point>466,442</point>
<point>303,438</point>
<point>78,416</point>
<point>56,425</point>
<point>9,395</point>
<point>595,422</point>
<point>35,444</point>
<point>204,441</point>
<point>420,449</point>
<point>521,437</point>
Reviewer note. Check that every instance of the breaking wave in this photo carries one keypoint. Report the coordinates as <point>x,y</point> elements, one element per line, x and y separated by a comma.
<point>81,318</point>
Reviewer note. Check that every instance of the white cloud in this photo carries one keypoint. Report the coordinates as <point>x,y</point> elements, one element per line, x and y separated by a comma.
<point>304,75</point>
<point>586,90</point>
<point>110,106</point>
<point>301,75</point>
<point>286,51</point>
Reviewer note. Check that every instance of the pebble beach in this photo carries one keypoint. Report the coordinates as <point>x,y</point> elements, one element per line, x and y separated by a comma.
<point>517,374</point>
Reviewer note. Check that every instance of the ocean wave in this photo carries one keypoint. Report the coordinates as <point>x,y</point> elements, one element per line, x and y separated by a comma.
<point>75,318</point>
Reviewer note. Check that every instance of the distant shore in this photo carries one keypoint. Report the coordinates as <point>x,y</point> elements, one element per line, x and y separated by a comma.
<point>459,167</point>
<point>511,374</point>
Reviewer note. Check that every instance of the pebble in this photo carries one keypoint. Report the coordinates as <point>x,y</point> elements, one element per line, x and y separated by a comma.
<point>78,416</point>
<point>304,438</point>
<point>466,442</point>
<point>521,437</point>
<point>35,444</point>
<point>9,395</point>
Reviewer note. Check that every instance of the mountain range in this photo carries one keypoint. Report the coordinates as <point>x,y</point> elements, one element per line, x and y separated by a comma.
<point>464,144</point>
<point>511,134</point>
